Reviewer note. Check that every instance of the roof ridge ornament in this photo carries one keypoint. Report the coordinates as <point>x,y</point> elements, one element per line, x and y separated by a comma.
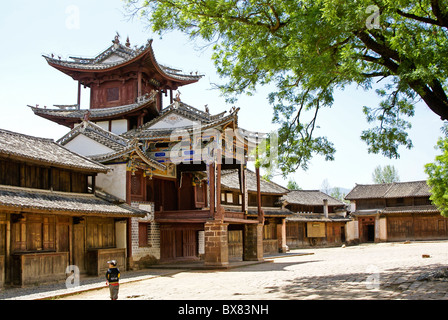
<point>116,41</point>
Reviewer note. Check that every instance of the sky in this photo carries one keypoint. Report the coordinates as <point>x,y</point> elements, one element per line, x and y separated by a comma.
<point>30,29</point>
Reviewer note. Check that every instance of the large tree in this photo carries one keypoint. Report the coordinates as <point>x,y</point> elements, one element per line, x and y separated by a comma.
<point>438,175</point>
<point>311,48</point>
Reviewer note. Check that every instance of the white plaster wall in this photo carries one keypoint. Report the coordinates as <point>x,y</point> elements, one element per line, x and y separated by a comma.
<point>103,124</point>
<point>119,126</point>
<point>114,182</point>
<point>171,121</point>
<point>120,234</point>
<point>86,146</point>
<point>352,230</point>
<point>383,229</point>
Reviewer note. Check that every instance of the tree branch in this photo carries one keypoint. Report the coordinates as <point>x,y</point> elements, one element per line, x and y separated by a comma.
<point>418,18</point>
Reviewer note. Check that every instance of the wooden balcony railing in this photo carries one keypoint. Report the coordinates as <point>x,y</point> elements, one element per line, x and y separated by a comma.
<point>182,216</point>
<point>198,216</point>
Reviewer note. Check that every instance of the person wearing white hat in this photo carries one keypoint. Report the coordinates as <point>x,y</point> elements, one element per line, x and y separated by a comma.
<point>113,279</point>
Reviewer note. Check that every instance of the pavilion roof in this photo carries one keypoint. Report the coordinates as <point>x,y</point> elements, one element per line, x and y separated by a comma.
<point>180,116</point>
<point>116,56</point>
<point>67,116</point>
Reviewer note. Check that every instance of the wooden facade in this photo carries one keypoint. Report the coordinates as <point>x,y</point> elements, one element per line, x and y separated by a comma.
<point>48,217</point>
<point>302,234</point>
<point>27,175</point>
<point>274,226</point>
<point>185,197</point>
<point>318,220</point>
<point>396,212</point>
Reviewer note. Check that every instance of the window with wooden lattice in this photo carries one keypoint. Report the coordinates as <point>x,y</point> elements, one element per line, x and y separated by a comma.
<point>113,94</point>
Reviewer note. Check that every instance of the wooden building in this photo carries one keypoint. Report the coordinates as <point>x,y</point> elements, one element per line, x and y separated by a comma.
<point>51,215</point>
<point>318,219</point>
<point>126,87</point>
<point>165,160</point>
<point>397,211</point>
<point>274,229</point>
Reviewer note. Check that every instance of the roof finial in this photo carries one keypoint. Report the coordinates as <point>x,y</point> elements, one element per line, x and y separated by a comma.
<point>128,43</point>
<point>87,115</point>
<point>177,100</point>
<point>116,40</point>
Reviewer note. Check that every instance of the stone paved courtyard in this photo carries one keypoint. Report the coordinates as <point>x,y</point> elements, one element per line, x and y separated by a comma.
<point>369,271</point>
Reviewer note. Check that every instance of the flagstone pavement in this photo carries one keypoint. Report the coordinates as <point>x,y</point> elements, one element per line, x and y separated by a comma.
<point>384,271</point>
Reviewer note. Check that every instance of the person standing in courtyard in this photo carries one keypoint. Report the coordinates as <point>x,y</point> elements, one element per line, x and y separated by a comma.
<point>113,279</point>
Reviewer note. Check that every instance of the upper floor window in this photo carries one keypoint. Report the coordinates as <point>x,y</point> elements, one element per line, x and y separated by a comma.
<point>113,94</point>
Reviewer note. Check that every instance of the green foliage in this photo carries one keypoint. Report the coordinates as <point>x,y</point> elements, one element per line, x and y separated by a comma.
<point>387,174</point>
<point>308,49</point>
<point>293,185</point>
<point>338,194</point>
<point>438,176</point>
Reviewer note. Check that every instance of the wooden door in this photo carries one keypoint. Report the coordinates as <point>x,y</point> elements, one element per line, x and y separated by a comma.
<point>400,228</point>
<point>178,240</point>
<point>63,234</point>
<point>178,244</point>
<point>2,252</point>
<point>166,244</point>
<point>189,243</point>
<point>79,250</point>
<point>442,228</point>
<point>2,239</point>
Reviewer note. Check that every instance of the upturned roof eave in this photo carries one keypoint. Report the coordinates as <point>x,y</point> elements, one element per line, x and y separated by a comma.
<point>72,68</point>
<point>53,114</point>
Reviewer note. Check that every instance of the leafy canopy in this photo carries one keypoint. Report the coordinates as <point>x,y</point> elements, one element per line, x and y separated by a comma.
<point>310,48</point>
<point>438,175</point>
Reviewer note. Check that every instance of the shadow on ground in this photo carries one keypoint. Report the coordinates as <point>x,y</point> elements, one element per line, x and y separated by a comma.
<point>387,284</point>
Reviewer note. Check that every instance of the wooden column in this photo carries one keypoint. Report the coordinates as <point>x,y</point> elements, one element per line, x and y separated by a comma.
<point>79,95</point>
<point>8,262</point>
<point>243,188</point>
<point>260,211</point>
<point>219,209</point>
<point>139,84</point>
<point>211,186</point>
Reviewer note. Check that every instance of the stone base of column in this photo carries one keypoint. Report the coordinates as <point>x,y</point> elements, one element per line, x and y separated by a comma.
<point>216,245</point>
<point>253,242</point>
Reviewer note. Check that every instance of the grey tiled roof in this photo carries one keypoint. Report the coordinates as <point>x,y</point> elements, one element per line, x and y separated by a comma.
<point>230,180</point>
<point>206,121</point>
<point>44,151</point>
<point>412,209</point>
<point>316,217</point>
<point>422,209</point>
<point>389,190</point>
<point>100,113</point>
<point>125,54</point>
<point>253,211</point>
<point>310,198</point>
<point>16,198</point>
<point>95,132</point>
